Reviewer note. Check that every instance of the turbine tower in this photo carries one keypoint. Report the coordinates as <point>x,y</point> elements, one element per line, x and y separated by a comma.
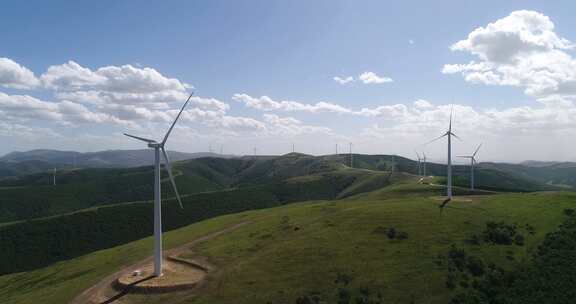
<point>54,177</point>
<point>351,160</point>
<point>449,135</point>
<point>472,163</point>
<point>159,146</point>
<point>424,164</point>
<point>419,164</point>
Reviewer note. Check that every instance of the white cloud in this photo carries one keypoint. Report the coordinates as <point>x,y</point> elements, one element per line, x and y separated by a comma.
<point>520,50</point>
<point>115,85</point>
<point>344,80</point>
<point>365,78</point>
<point>265,103</point>
<point>24,108</point>
<point>422,104</point>
<point>13,75</point>
<point>410,41</point>
<point>373,78</point>
<point>71,76</point>
<point>289,126</point>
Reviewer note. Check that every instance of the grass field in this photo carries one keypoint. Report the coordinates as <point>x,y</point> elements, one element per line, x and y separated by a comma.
<point>321,249</point>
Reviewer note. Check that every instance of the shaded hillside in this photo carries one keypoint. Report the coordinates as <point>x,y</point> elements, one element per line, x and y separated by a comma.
<point>35,243</point>
<point>558,174</point>
<point>33,196</point>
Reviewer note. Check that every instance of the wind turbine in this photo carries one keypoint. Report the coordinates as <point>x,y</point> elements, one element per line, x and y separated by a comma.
<point>159,146</point>
<point>351,160</point>
<point>419,164</point>
<point>423,164</point>
<point>472,163</point>
<point>54,177</point>
<point>449,135</point>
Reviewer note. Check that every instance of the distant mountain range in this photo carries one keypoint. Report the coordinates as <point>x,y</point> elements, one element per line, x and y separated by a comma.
<point>531,174</point>
<point>34,161</point>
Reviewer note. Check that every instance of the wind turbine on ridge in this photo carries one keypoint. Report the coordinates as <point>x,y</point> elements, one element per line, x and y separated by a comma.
<point>419,163</point>
<point>159,146</point>
<point>449,135</point>
<point>423,164</point>
<point>472,163</point>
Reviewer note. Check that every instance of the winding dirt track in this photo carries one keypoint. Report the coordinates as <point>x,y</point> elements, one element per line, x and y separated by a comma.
<point>96,293</point>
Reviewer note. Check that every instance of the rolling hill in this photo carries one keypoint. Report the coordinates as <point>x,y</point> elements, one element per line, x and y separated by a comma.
<point>33,196</point>
<point>337,251</point>
<point>21,163</point>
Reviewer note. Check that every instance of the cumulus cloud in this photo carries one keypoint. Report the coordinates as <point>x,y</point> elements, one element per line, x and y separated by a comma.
<point>422,116</point>
<point>265,103</point>
<point>71,76</point>
<point>365,78</point>
<point>289,126</point>
<point>373,78</point>
<point>13,75</point>
<point>343,80</point>
<point>122,95</point>
<point>124,84</point>
<point>521,50</point>
<point>20,108</point>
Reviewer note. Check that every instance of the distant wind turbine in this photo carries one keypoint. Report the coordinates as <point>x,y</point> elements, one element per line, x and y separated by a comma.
<point>54,177</point>
<point>419,164</point>
<point>351,160</point>
<point>159,146</point>
<point>472,163</point>
<point>424,164</point>
<point>449,135</point>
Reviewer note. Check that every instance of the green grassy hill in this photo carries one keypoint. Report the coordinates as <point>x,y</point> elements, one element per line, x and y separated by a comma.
<point>33,196</point>
<point>337,251</point>
<point>558,174</point>
<point>39,242</point>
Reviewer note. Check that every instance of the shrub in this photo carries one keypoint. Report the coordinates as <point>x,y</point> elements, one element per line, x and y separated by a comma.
<point>391,233</point>
<point>519,240</point>
<point>499,233</point>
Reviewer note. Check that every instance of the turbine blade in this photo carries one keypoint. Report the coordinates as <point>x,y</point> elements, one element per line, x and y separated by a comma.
<point>435,139</point>
<point>480,145</point>
<point>455,136</point>
<point>169,169</point>
<point>140,138</point>
<point>450,125</point>
<point>175,120</point>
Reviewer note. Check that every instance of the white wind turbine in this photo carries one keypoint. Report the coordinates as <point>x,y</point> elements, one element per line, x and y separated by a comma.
<point>419,164</point>
<point>423,163</point>
<point>449,135</point>
<point>472,163</point>
<point>159,146</point>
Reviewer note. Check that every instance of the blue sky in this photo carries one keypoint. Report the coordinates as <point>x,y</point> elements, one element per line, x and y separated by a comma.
<point>288,51</point>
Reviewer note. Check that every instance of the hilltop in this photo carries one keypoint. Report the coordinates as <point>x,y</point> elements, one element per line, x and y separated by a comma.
<point>327,251</point>
<point>35,161</point>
